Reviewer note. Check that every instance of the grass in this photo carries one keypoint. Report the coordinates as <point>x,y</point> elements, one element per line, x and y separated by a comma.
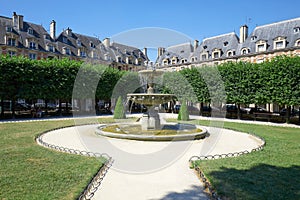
<point>273,173</point>
<point>29,171</point>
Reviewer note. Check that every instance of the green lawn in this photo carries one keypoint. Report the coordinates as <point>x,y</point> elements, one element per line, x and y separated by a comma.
<point>273,173</point>
<point>29,171</point>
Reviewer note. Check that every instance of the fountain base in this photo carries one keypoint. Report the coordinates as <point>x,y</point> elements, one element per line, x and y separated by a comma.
<point>150,121</point>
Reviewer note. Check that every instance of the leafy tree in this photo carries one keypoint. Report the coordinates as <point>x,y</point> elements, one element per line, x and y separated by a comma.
<point>119,112</point>
<point>183,112</point>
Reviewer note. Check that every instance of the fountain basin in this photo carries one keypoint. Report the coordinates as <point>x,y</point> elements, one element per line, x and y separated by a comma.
<point>183,134</point>
<point>150,99</point>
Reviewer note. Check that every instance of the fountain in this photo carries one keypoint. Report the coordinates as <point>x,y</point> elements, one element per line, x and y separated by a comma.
<point>149,127</point>
<point>150,120</point>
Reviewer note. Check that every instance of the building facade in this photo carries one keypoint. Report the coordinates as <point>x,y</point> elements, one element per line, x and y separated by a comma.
<point>265,42</point>
<point>21,38</point>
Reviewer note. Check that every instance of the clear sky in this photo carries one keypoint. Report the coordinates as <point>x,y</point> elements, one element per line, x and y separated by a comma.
<point>196,19</point>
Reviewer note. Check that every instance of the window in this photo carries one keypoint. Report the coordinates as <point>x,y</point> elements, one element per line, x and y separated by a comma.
<point>279,45</point>
<point>166,61</point>
<point>50,48</point>
<point>65,40</point>
<point>279,42</point>
<point>253,38</point>
<point>183,61</point>
<point>32,56</point>
<point>182,51</point>
<point>194,59</point>
<point>92,45</point>
<point>11,42</point>
<point>119,59</point>
<point>66,51</point>
<point>11,53</point>
<point>225,44</point>
<point>47,37</point>
<point>203,56</point>
<point>82,54</point>
<point>261,46</point>
<point>78,43</point>
<point>204,47</point>
<point>245,51</point>
<point>216,53</point>
<point>230,53</point>
<point>30,31</point>
<point>9,29</point>
<point>32,45</point>
<point>297,43</point>
<point>296,29</point>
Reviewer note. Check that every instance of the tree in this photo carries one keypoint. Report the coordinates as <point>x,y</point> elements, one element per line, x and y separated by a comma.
<point>119,112</point>
<point>183,112</point>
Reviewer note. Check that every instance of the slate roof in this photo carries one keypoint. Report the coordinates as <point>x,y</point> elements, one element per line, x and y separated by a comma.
<point>181,51</point>
<point>224,42</point>
<point>71,40</point>
<point>269,32</point>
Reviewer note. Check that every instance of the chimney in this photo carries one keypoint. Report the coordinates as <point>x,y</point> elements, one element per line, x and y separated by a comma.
<point>53,29</point>
<point>145,52</point>
<point>196,44</point>
<point>17,21</point>
<point>161,51</point>
<point>69,31</point>
<point>106,42</point>
<point>243,33</point>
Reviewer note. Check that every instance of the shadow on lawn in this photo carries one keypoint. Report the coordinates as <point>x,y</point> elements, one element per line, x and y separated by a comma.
<point>194,193</point>
<point>260,182</point>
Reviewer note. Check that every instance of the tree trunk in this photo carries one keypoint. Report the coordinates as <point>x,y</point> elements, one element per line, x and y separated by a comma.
<point>239,111</point>
<point>201,109</point>
<point>2,109</point>
<point>288,114</point>
<point>13,108</point>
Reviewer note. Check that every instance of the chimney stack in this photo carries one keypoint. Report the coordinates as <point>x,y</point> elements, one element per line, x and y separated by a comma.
<point>18,21</point>
<point>145,52</point>
<point>161,51</point>
<point>243,33</point>
<point>196,44</point>
<point>53,29</point>
<point>106,42</point>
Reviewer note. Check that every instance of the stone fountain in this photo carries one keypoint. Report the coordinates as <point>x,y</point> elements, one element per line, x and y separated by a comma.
<point>150,99</point>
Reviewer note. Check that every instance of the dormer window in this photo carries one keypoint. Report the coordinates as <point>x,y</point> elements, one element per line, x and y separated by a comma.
<point>11,42</point>
<point>9,29</point>
<point>193,59</point>
<point>245,51</point>
<point>78,43</point>
<point>92,45</point>
<point>253,38</point>
<point>296,29</point>
<point>204,56</point>
<point>119,59</point>
<point>297,43</point>
<point>279,43</point>
<point>261,46</point>
<point>166,61</point>
<point>230,53</point>
<point>32,45</point>
<point>174,60</point>
<point>30,31</point>
<point>50,48</point>
<point>183,61</point>
<point>216,53</point>
<point>47,37</point>
<point>66,51</point>
<point>65,40</point>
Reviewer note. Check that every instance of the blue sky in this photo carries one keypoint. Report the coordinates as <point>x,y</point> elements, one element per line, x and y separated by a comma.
<point>197,19</point>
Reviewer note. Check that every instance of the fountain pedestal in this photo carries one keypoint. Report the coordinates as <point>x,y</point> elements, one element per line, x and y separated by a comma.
<point>150,120</point>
